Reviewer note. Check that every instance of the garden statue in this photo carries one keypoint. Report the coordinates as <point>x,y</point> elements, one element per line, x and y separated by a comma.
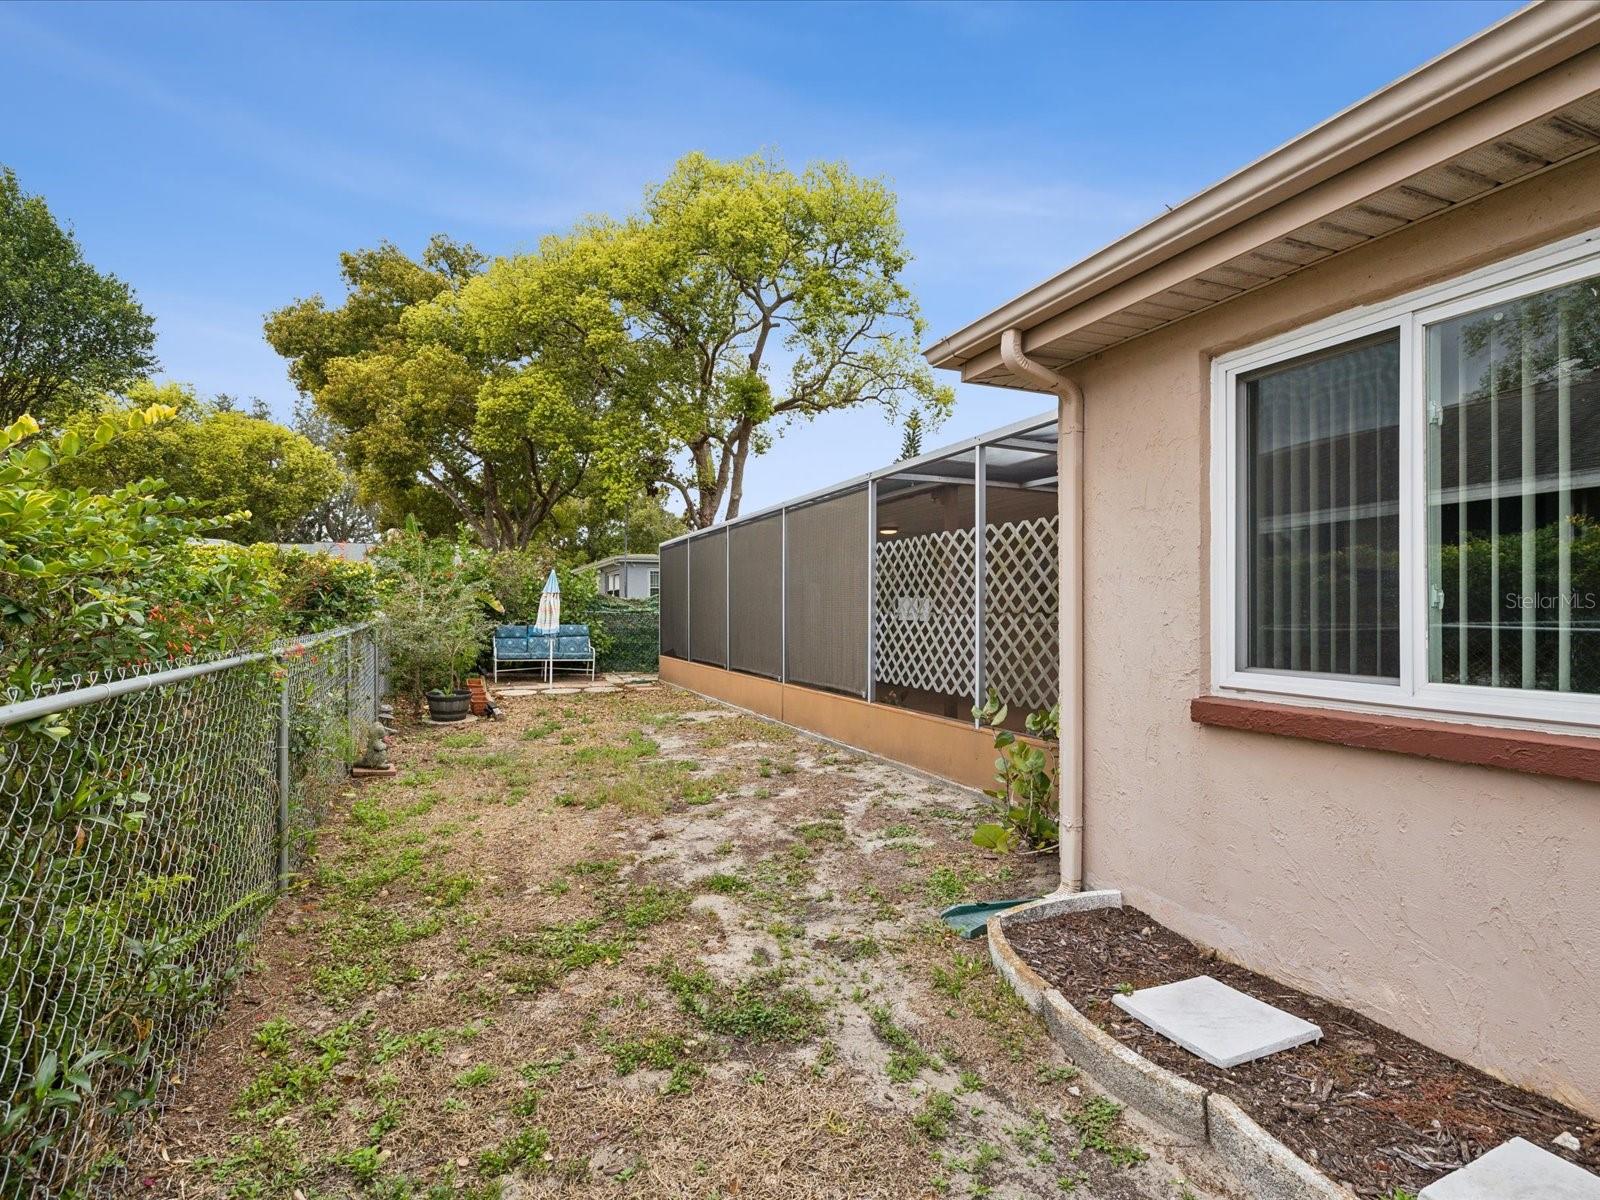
<point>375,752</point>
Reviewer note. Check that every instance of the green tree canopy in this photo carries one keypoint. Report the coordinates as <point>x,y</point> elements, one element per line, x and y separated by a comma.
<point>381,285</point>
<point>343,517</point>
<point>584,529</point>
<point>221,460</point>
<point>753,296</point>
<point>485,403</point>
<point>67,331</point>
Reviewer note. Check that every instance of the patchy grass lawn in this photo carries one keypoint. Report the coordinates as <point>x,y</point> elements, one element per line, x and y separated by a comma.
<point>625,945</point>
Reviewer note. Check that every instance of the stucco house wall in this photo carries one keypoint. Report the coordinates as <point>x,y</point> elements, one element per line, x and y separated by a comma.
<point>1457,904</point>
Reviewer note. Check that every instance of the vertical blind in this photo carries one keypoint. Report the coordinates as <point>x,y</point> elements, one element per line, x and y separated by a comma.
<point>1321,514</point>
<point>1513,484</point>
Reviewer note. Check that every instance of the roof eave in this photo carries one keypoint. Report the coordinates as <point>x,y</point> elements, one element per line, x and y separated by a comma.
<point>1516,49</point>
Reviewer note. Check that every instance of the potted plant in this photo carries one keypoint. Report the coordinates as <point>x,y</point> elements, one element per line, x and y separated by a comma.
<point>458,628</point>
<point>435,625</point>
<point>453,705</point>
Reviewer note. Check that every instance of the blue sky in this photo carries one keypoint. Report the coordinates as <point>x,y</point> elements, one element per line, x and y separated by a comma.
<point>218,158</point>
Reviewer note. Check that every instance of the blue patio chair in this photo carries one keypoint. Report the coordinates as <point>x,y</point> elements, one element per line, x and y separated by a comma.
<point>572,647</point>
<point>521,644</point>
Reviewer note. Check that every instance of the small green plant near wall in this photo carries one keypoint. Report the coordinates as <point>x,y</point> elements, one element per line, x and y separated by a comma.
<point>1024,795</point>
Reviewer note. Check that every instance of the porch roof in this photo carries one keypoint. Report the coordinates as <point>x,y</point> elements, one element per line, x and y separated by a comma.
<point>1516,100</point>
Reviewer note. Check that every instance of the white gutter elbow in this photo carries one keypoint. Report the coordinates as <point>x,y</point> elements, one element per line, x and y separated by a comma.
<point>1069,467</point>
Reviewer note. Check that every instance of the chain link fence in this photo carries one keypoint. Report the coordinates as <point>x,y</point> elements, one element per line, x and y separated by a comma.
<point>633,635</point>
<point>148,822</point>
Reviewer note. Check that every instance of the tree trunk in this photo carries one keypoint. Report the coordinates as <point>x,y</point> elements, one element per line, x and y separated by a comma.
<point>740,454</point>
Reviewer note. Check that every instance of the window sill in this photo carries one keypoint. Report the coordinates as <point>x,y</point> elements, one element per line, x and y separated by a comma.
<point>1553,755</point>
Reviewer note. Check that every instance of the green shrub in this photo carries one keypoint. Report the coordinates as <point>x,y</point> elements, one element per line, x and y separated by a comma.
<point>91,581</point>
<point>321,592</point>
<point>1024,791</point>
<point>435,600</point>
<point>118,810</point>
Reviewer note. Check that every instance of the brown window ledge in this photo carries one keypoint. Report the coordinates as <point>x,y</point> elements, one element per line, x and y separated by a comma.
<point>1556,755</point>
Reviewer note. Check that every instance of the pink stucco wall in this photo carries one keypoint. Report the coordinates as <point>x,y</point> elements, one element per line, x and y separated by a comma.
<point>1460,905</point>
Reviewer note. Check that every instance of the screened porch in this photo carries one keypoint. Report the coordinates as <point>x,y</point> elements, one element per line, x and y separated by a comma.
<point>922,586</point>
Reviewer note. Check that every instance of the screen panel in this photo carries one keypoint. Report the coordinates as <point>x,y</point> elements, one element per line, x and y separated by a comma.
<point>826,582</point>
<point>675,600</point>
<point>755,616</point>
<point>708,598</point>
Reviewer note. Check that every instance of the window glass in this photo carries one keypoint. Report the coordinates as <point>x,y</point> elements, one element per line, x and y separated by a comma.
<point>1513,452</point>
<point>1320,460</point>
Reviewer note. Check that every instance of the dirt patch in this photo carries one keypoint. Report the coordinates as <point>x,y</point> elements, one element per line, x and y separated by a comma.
<point>1375,1110</point>
<point>620,944</point>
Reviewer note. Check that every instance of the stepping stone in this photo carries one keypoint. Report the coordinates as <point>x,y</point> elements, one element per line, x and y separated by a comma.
<point>1517,1170</point>
<point>1219,1023</point>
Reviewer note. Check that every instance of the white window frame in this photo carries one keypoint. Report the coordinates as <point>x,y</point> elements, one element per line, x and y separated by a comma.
<point>1409,316</point>
<point>655,581</point>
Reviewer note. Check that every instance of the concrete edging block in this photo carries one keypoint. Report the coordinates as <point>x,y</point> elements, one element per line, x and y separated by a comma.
<point>1268,1169</point>
<point>1175,1102</point>
<point>1053,906</point>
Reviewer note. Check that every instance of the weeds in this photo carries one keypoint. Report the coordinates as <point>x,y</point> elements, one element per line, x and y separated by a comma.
<point>908,1059</point>
<point>659,1052</point>
<point>530,1148</point>
<point>933,1121</point>
<point>950,885</point>
<point>760,1009</point>
<point>1095,1123</point>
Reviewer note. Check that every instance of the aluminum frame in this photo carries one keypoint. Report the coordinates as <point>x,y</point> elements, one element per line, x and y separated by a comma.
<point>1012,437</point>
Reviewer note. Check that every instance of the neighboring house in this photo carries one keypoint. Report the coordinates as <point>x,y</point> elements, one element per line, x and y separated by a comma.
<point>627,576</point>
<point>349,551</point>
<point>1326,728</point>
<point>1324,481</point>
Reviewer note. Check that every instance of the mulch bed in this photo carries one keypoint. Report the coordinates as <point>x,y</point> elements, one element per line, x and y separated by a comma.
<point>1374,1110</point>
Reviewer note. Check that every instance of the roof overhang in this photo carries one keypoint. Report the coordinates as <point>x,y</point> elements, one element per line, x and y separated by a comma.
<point>1514,101</point>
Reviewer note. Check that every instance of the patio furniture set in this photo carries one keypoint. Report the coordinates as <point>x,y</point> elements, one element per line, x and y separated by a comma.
<point>525,647</point>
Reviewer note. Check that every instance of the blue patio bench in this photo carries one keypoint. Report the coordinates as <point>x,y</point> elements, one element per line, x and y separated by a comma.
<point>530,646</point>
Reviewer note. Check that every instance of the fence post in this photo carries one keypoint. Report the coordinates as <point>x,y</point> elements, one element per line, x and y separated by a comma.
<point>980,580</point>
<point>783,595</point>
<point>283,780</point>
<point>373,655</point>
<point>354,752</point>
<point>872,589</point>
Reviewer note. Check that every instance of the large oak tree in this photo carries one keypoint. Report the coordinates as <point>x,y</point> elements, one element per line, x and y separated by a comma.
<point>467,396</point>
<point>756,296</point>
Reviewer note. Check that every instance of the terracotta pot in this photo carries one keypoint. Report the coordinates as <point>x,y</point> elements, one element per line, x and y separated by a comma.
<point>480,695</point>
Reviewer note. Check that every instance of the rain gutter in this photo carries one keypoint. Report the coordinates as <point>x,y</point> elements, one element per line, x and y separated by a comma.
<point>1069,471</point>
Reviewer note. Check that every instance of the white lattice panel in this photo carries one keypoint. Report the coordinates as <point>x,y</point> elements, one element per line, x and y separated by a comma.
<point>1022,611</point>
<point>924,612</point>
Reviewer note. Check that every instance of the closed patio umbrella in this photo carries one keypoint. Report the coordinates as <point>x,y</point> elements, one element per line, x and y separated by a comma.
<point>549,606</point>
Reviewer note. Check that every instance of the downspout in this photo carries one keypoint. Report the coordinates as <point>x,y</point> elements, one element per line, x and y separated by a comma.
<point>1069,472</point>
